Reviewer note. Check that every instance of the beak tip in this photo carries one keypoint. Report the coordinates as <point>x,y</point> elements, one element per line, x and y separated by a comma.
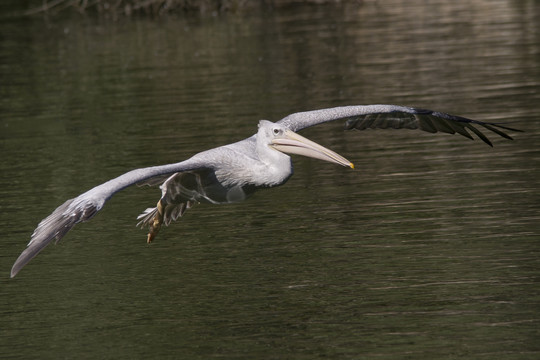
<point>351,165</point>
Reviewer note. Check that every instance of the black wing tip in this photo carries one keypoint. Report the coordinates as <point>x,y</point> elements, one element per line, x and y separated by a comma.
<point>499,125</point>
<point>494,127</point>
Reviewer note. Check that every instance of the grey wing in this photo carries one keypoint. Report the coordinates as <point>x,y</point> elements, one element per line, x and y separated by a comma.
<point>394,117</point>
<point>85,206</point>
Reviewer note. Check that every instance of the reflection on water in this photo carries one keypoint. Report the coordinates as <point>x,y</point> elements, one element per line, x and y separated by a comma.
<point>429,248</point>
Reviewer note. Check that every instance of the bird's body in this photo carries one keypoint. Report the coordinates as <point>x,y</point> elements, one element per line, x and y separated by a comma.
<point>230,173</point>
<point>223,175</point>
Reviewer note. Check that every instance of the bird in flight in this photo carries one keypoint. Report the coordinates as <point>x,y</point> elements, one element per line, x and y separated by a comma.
<point>232,172</point>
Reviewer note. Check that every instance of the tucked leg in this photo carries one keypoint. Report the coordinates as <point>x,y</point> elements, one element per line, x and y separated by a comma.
<point>155,223</point>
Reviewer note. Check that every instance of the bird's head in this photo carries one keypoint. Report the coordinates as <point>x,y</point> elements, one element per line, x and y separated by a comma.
<point>280,138</point>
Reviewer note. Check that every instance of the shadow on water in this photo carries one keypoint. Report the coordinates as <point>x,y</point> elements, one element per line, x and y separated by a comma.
<point>428,249</point>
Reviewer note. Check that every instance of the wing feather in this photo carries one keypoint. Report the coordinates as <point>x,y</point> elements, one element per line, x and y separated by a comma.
<point>425,123</point>
<point>460,129</point>
<point>497,131</point>
<point>478,133</point>
<point>441,125</point>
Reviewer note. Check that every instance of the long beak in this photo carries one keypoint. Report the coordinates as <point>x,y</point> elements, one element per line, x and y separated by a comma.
<point>292,143</point>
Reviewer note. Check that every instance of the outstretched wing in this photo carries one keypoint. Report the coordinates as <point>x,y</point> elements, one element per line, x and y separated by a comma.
<point>394,117</point>
<point>85,206</point>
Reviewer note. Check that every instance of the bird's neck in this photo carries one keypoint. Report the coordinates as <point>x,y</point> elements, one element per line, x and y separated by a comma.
<point>276,167</point>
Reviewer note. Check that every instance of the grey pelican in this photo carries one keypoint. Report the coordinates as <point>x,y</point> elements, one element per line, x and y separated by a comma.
<point>230,173</point>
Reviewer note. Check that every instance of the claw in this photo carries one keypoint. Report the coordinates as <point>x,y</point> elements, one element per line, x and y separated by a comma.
<point>156,223</point>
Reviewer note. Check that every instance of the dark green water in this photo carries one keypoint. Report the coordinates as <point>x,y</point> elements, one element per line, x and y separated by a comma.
<point>430,248</point>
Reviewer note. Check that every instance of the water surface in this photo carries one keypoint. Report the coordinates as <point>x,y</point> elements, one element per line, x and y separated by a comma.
<point>428,249</point>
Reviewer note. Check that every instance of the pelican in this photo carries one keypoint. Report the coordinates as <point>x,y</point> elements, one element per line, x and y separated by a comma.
<point>230,173</point>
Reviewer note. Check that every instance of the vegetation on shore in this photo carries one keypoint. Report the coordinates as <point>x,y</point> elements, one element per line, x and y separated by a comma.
<point>116,8</point>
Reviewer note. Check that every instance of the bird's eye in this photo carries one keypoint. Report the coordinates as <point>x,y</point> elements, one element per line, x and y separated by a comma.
<point>276,131</point>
